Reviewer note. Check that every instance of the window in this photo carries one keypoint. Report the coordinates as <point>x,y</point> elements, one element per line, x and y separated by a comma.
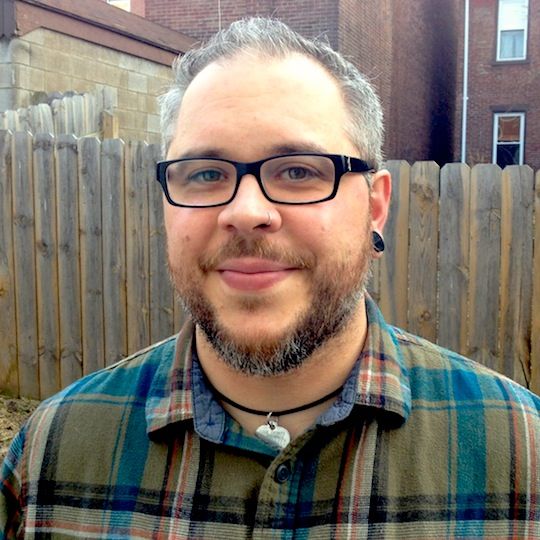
<point>508,138</point>
<point>512,30</point>
<point>122,4</point>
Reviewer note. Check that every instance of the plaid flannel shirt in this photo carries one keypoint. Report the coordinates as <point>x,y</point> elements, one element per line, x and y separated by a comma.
<point>431,446</point>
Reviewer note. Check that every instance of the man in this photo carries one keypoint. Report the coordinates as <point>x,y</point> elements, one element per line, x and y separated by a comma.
<point>286,407</point>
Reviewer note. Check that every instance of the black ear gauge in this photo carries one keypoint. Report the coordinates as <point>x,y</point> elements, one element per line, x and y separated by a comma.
<point>377,241</point>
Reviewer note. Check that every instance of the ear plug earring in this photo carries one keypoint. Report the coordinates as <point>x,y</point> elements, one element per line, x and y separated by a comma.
<point>377,241</point>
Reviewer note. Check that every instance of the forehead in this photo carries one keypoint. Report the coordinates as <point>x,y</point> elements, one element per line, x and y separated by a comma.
<point>250,101</point>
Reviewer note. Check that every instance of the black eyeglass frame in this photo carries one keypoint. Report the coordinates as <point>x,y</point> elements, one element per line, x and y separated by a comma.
<point>342,165</point>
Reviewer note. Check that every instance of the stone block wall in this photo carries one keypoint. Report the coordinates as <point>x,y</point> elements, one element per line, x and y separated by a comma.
<point>43,62</point>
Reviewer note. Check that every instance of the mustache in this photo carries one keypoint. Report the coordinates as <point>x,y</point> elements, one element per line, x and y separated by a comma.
<point>259,248</point>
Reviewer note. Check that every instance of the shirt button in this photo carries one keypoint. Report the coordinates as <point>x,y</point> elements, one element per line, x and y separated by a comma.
<point>283,473</point>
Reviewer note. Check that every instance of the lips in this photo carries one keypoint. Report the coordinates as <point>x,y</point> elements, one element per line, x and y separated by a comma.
<point>252,274</point>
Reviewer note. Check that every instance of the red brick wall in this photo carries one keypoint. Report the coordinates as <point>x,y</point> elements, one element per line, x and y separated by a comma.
<point>201,19</point>
<point>138,7</point>
<point>365,38</point>
<point>424,49</point>
<point>393,42</point>
<point>396,44</point>
<point>500,87</point>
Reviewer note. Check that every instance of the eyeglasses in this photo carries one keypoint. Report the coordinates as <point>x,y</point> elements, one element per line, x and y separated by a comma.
<point>286,179</point>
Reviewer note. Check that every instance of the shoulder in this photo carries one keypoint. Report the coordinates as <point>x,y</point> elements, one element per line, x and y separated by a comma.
<point>79,431</point>
<point>101,401</point>
<point>127,377</point>
<point>438,374</point>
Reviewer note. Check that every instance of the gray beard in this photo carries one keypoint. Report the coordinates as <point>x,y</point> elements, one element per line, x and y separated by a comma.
<point>332,307</point>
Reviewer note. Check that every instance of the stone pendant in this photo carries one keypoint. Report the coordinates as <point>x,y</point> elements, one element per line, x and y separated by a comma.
<point>273,435</point>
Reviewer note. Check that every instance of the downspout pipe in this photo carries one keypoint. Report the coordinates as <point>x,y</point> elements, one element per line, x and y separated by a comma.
<point>465,84</point>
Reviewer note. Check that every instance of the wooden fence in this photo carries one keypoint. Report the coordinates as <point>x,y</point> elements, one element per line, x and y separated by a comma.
<point>77,114</point>
<point>84,281</point>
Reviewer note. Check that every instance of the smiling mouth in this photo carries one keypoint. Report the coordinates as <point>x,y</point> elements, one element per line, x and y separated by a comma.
<point>253,274</point>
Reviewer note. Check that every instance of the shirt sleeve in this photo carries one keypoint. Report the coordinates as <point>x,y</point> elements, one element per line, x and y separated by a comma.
<point>11,508</point>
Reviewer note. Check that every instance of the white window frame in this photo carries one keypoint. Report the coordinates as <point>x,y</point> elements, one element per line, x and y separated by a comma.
<point>496,117</point>
<point>500,30</point>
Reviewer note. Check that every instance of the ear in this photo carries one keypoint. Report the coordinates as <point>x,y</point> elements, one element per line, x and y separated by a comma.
<point>379,199</point>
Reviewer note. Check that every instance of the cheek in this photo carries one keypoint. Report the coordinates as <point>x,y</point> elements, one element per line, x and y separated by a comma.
<point>339,225</point>
<point>343,232</point>
<point>185,229</point>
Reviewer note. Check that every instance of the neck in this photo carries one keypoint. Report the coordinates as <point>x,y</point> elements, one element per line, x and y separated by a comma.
<point>320,374</point>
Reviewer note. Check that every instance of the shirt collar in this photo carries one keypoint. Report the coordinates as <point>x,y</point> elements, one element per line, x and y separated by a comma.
<point>382,382</point>
<point>383,379</point>
<point>170,396</point>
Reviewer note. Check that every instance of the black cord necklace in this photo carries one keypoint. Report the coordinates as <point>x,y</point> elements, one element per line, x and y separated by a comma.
<point>274,413</point>
<point>270,432</point>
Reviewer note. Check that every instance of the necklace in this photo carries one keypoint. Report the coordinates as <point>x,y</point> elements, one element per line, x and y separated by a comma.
<point>284,412</point>
<point>270,432</point>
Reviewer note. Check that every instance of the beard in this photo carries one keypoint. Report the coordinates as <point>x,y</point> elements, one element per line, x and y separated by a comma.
<point>336,289</point>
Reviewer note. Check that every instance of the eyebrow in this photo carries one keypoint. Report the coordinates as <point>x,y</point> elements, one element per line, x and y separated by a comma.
<point>275,150</point>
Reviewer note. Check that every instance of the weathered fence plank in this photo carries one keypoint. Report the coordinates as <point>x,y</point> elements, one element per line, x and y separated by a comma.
<point>453,256</point>
<point>114,250</point>
<point>95,210</point>
<point>394,263</point>
<point>40,119</point>
<point>535,323</point>
<point>516,264</point>
<point>423,249</point>
<point>138,293</point>
<point>69,279</point>
<point>46,264</point>
<point>161,291</point>
<point>78,115</point>
<point>9,368</point>
<point>484,264</point>
<point>91,254</point>
<point>25,264</point>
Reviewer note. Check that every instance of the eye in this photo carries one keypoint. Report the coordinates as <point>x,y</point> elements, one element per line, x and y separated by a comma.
<point>298,173</point>
<point>206,176</point>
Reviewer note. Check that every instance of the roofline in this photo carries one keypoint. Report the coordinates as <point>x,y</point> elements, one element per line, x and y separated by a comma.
<point>96,22</point>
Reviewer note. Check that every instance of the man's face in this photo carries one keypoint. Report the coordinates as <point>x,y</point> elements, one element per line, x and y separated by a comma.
<point>266,296</point>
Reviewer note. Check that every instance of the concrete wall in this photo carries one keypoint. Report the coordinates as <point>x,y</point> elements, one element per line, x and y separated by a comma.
<point>6,75</point>
<point>42,62</point>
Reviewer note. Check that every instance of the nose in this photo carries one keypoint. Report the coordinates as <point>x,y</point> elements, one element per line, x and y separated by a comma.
<point>250,210</point>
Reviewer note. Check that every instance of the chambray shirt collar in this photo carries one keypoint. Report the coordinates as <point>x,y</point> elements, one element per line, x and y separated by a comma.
<point>379,381</point>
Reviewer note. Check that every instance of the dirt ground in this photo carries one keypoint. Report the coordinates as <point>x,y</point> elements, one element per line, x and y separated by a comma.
<point>13,412</point>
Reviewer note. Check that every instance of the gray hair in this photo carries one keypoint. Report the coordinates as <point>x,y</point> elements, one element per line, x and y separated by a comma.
<point>274,39</point>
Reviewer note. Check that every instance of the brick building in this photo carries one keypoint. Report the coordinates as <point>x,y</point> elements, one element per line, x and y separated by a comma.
<point>414,52</point>
<point>407,48</point>
<point>503,105</point>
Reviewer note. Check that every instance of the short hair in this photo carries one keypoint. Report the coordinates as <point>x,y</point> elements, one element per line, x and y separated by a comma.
<point>274,39</point>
